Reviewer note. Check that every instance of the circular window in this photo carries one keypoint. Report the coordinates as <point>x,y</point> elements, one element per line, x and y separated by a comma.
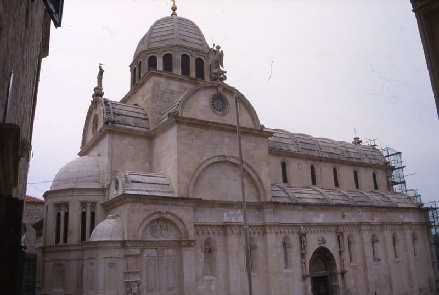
<point>219,104</point>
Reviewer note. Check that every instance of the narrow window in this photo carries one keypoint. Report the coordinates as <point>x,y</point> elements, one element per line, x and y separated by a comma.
<point>334,171</point>
<point>375,251</point>
<point>83,225</point>
<point>139,70</point>
<point>313,175</point>
<point>350,248</point>
<point>167,62</point>
<point>94,124</point>
<point>66,227</point>
<point>395,245</point>
<point>415,244</point>
<point>61,223</point>
<point>58,228</point>
<point>185,65</point>
<point>88,216</point>
<point>199,68</point>
<point>375,183</point>
<point>284,172</point>
<point>357,186</point>
<point>253,255</point>
<point>152,62</point>
<point>286,249</point>
<point>92,222</point>
<point>133,77</point>
<point>209,257</point>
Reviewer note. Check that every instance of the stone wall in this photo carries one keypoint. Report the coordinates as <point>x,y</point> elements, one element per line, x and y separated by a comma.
<point>33,212</point>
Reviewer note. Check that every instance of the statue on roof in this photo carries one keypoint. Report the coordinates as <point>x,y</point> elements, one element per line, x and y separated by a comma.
<point>98,90</point>
<point>216,57</point>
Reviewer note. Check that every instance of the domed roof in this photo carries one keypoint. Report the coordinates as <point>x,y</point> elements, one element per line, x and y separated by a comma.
<point>83,172</point>
<point>108,230</point>
<point>172,30</point>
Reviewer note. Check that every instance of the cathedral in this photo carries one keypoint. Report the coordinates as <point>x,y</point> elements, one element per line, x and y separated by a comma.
<point>153,205</point>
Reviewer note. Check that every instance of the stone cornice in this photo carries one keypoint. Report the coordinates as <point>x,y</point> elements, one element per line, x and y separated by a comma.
<point>284,229</point>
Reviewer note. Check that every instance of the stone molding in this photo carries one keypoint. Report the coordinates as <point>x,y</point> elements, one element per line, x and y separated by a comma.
<point>283,229</point>
<point>162,243</point>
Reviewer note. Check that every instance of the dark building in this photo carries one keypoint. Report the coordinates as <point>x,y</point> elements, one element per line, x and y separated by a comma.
<point>24,42</point>
<point>427,15</point>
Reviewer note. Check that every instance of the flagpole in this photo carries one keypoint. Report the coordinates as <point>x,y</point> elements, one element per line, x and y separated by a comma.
<point>244,204</point>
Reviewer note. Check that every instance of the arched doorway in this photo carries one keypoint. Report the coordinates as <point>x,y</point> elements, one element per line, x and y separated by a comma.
<point>323,271</point>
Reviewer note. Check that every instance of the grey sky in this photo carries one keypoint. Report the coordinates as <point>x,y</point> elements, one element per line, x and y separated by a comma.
<point>323,68</point>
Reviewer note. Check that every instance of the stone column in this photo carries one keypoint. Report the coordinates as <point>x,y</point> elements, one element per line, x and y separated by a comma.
<point>407,241</point>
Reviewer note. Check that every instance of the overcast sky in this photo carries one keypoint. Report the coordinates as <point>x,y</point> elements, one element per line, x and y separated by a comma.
<point>325,68</point>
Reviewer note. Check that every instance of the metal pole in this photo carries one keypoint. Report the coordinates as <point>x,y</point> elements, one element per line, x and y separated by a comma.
<point>244,205</point>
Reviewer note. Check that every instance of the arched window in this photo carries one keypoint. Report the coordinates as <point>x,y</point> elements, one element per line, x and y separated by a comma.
<point>94,124</point>
<point>139,70</point>
<point>152,62</point>
<point>185,65</point>
<point>375,247</point>
<point>253,255</point>
<point>334,171</point>
<point>357,185</point>
<point>66,227</point>
<point>313,175</point>
<point>395,244</point>
<point>167,62</point>
<point>199,68</point>
<point>415,244</point>
<point>351,248</point>
<point>209,251</point>
<point>133,77</point>
<point>286,251</point>
<point>375,183</point>
<point>284,172</point>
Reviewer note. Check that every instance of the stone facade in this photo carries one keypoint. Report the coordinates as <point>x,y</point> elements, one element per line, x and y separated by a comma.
<point>153,205</point>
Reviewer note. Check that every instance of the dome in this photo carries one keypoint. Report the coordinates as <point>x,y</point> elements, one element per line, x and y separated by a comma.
<point>83,172</point>
<point>108,230</point>
<point>172,30</point>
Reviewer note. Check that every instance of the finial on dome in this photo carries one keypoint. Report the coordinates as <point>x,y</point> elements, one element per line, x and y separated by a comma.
<point>173,8</point>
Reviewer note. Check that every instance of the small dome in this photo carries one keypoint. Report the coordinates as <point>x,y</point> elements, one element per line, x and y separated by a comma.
<point>172,30</point>
<point>108,230</point>
<point>83,172</point>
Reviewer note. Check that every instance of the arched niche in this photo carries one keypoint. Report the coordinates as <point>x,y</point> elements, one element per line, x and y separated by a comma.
<point>162,226</point>
<point>218,178</point>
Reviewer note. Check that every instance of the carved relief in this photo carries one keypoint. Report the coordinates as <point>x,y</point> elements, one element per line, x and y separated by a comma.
<point>132,288</point>
<point>159,228</point>
<point>321,241</point>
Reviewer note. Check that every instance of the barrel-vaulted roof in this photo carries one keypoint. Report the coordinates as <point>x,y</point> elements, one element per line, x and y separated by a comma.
<point>317,196</point>
<point>172,30</point>
<point>305,144</point>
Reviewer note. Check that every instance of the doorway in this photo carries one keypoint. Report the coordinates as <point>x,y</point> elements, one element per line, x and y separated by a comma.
<point>323,271</point>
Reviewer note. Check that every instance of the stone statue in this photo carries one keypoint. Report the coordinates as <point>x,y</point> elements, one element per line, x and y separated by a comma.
<point>303,242</point>
<point>98,90</point>
<point>216,57</point>
<point>132,288</point>
<point>303,265</point>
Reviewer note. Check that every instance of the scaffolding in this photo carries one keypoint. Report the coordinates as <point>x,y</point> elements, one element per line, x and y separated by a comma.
<point>397,180</point>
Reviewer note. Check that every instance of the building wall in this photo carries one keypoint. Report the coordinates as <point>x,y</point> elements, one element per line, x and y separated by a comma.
<point>33,212</point>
